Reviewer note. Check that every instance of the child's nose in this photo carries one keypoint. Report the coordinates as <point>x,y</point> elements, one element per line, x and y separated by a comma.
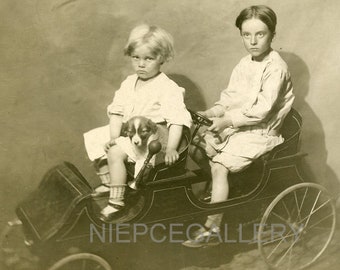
<point>141,63</point>
<point>253,40</point>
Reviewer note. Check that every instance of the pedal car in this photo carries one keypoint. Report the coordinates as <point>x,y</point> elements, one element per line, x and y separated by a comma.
<point>294,219</point>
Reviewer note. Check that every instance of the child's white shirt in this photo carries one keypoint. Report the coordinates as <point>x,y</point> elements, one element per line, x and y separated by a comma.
<point>161,100</point>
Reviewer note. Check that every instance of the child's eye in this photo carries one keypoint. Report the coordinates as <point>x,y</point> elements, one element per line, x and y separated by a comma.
<point>246,35</point>
<point>149,58</point>
<point>135,57</point>
<point>260,35</point>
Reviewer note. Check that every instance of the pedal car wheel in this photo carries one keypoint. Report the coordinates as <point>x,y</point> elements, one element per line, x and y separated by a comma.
<point>81,261</point>
<point>14,252</point>
<point>297,227</point>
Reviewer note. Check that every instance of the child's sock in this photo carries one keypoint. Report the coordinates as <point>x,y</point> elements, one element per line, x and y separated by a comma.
<point>103,173</point>
<point>116,201</point>
<point>214,221</point>
<point>105,180</point>
<point>102,189</point>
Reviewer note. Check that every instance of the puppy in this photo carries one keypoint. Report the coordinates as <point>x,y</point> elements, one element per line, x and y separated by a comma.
<point>141,132</point>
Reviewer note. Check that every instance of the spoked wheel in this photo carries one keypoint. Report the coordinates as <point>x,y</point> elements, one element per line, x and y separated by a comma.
<point>13,245</point>
<point>81,261</point>
<point>297,227</point>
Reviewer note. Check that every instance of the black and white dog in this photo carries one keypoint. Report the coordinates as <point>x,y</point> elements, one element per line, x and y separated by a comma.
<point>141,132</point>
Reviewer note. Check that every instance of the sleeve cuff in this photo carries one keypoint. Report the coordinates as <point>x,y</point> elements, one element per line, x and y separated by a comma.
<point>237,118</point>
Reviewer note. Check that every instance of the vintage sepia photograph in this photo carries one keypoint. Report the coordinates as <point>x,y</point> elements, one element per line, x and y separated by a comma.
<point>173,134</point>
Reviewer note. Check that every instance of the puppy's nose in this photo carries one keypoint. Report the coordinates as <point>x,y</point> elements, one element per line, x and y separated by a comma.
<point>135,142</point>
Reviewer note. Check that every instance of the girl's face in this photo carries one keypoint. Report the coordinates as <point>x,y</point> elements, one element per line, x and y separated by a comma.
<point>257,38</point>
<point>145,63</point>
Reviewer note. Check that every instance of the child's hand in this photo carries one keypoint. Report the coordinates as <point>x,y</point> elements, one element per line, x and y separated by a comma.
<point>207,113</point>
<point>109,144</point>
<point>171,156</point>
<point>219,124</point>
<point>203,113</point>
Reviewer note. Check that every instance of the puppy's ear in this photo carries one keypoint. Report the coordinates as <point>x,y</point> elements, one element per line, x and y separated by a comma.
<point>124,130</point>
<point>153,126</point>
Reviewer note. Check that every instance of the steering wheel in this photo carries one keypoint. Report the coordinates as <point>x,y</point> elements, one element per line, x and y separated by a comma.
<point>199,119</point>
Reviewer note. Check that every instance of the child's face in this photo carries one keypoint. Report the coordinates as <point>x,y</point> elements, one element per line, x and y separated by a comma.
<point>145,63</point>
<point>257,38</point>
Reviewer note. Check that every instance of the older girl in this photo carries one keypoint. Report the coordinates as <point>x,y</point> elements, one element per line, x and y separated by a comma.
<point>250,112</point>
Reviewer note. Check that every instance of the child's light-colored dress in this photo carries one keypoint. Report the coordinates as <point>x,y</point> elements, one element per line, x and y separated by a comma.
<point>161,100</point>
<point>258,97</point>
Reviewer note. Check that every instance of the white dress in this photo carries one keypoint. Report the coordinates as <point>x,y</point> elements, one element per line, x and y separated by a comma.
<point>161,100</point>
<point>258,97</point>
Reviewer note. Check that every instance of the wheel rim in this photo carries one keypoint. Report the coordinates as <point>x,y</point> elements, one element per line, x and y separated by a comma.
<point>297,227</point>
<point>81,261</point>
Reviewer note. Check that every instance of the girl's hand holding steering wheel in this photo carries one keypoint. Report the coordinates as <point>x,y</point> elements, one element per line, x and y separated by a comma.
<point>220,123</point>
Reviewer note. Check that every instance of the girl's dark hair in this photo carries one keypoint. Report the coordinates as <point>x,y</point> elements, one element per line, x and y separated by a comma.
<point>261,12</point>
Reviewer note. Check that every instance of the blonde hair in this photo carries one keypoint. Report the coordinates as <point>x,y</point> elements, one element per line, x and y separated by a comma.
<point>159,41</point>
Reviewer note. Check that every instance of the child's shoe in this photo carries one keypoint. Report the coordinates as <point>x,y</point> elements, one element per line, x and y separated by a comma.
<point>206,197</point>
<point>204,237</point>
<point>108,213</point>
<point>115,204</point>
<point>103,189</point>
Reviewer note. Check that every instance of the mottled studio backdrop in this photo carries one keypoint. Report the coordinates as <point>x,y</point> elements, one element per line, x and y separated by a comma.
<point>61,61</point>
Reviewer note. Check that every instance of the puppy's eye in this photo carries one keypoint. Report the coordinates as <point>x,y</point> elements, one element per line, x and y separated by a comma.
<point>129,132</point>
<point>144,133</point>
<point>145,130</point>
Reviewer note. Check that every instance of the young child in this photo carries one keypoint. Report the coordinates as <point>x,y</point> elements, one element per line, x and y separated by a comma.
<point>148,93</point>
<point>249,114</point>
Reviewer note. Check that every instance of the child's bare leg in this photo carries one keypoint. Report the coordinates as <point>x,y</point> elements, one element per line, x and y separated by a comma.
<point>117,170</point>
<point>102,169</point>
<point>220,186</point>
<point>220,191</point>
<point>116,161</point>
<point>209,234</point>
